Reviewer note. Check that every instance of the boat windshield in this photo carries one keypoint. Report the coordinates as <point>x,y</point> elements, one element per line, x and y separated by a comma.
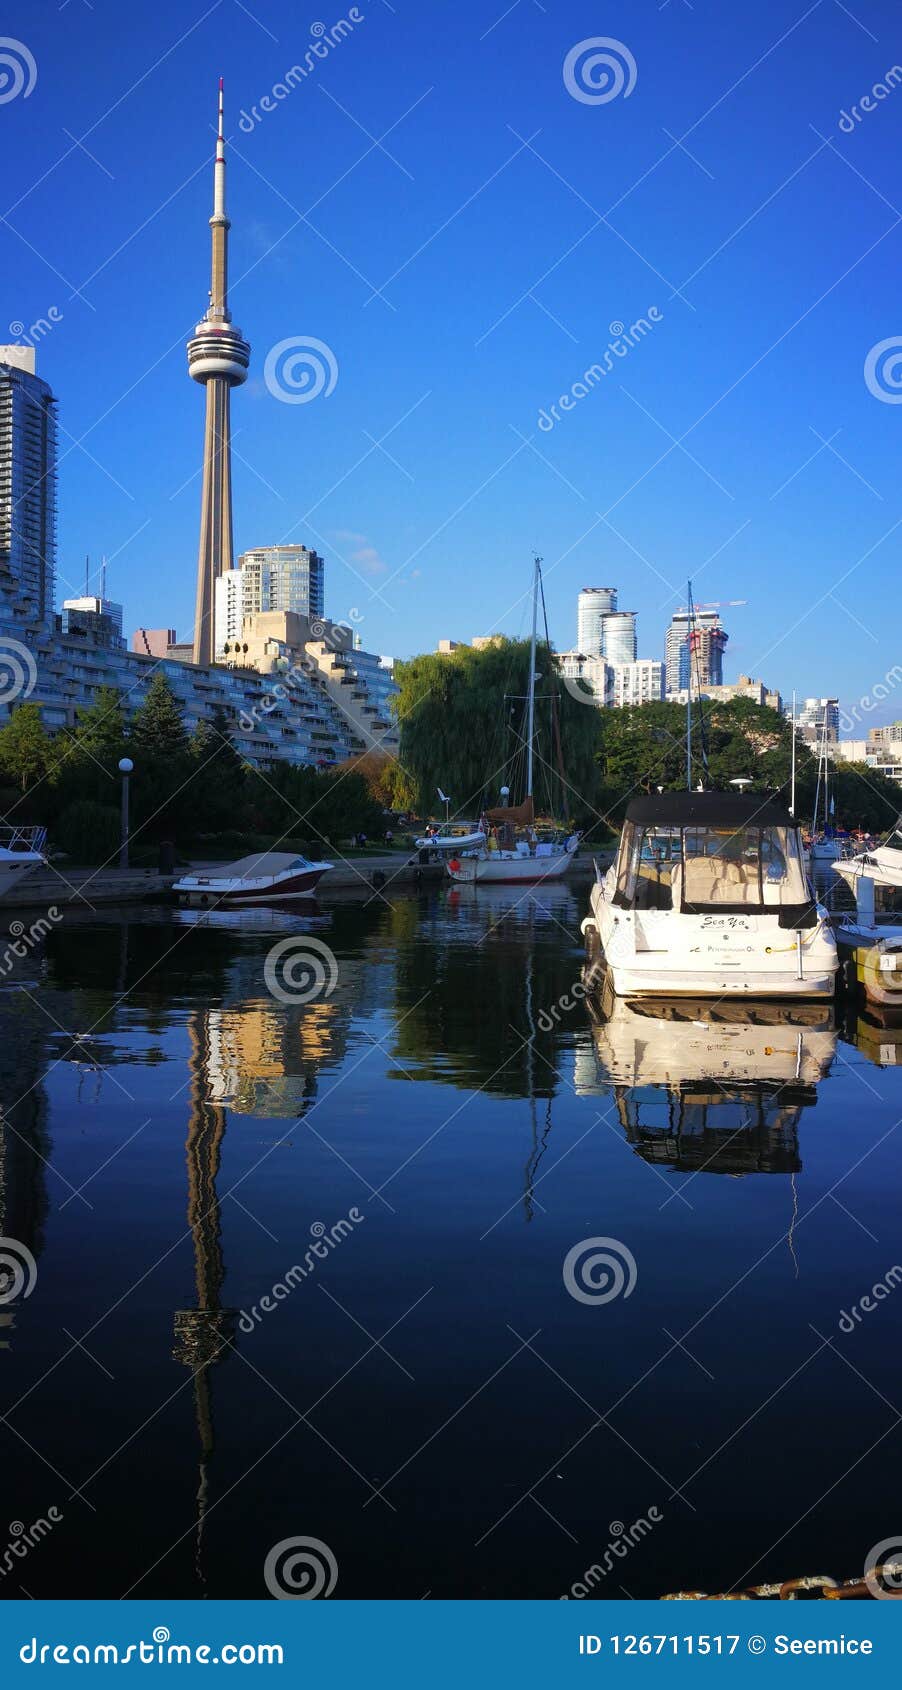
<point>695,869</point>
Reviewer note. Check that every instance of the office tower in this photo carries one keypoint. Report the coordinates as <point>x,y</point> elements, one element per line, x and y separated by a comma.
<point>592,606</point>
<point>218,356</point>
<point>91,614</point>
<point>27,485</point>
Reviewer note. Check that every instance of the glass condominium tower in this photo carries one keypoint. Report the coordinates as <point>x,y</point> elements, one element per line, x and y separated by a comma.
<point>282,578</point>
<point>27,484</point>
<point>592,606</point>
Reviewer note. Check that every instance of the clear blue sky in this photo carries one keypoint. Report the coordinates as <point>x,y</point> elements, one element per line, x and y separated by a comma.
<point>499,283</point>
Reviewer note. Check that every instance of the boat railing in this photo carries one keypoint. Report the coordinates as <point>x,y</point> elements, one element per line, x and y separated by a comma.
<point>23,838</point>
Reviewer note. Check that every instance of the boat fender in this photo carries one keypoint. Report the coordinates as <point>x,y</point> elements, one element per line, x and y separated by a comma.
<point>454,865</point>
<point>378,880</point>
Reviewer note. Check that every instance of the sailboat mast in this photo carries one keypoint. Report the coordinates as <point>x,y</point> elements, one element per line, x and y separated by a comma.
<point>689,689</point>
<point>530,726</point>
<point>792,788</point>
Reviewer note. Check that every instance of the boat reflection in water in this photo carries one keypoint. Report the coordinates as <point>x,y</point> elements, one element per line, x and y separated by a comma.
<point>720,1088</point>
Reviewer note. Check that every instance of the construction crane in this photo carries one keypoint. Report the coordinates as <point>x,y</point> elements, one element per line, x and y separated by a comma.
<point>716,604</point>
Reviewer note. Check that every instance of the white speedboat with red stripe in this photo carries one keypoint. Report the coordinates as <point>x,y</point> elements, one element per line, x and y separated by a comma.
<point>258,879</point>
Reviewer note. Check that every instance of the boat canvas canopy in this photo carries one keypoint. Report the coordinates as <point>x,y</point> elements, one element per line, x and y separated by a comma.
<point>258,867</point>
<point>709,809</point>
<point>516,815</point>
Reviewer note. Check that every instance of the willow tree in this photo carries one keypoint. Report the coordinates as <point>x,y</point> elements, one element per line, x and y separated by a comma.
<point>462,720</point>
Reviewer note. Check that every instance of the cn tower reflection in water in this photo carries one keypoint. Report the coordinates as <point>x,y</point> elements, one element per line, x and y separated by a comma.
<point>701,1086</point>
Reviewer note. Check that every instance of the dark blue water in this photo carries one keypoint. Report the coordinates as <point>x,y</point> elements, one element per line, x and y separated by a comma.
<point>428,1399</point>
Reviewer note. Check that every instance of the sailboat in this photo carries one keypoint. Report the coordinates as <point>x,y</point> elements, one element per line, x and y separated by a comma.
<point>511,850</point>
<point>824,847</point>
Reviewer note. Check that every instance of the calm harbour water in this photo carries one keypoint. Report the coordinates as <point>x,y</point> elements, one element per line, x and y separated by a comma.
<point>430,1401</point>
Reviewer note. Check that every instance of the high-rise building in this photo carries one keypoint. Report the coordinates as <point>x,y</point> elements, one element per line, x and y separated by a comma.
<point>676,648</point>
<point>228,610</point>
<point>282,578</point>
<point>218,356</point>
<point>706,649</point>
<point>93,615</point>
<point>818,718</point>
<point>641,682</point>
<point>290,578</point>
<point>619,636</point>
<point>27,485</point>
<point>592,606</point>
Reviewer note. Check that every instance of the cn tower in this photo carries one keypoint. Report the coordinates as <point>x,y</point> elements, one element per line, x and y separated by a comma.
<point>218,356</point>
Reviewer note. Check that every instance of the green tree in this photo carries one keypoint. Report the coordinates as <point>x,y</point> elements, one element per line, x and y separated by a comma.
<point>100,728</point>
<point>26,753</point>
<point>158,727</point>
<point>217,775</point>
<point>462,723</point>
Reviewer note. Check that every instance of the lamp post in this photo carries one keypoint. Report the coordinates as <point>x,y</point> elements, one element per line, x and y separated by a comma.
<point>125,768</point>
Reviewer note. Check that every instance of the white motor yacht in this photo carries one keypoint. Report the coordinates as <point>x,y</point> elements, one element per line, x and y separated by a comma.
<point>882,864</point>
<point>708,897</point>
<point>21,852</point>
<point>258,879</point>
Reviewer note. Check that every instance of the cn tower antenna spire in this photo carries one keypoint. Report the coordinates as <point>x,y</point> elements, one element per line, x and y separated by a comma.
<point>218,357</point>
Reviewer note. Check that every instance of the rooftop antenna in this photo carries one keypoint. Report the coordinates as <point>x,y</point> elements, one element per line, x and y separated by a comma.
<point>87,572</point>
<point>103,576</point>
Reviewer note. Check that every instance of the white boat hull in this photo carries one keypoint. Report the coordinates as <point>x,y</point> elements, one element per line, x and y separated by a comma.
<point>663,953</point>
<point>883,866</point>
<point>498,868</point>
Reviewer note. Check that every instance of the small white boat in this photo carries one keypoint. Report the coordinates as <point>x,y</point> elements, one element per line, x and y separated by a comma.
<point>708,898</point>
<point>258,879</point>
<point>21,852</point>
<point>449,843</point>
